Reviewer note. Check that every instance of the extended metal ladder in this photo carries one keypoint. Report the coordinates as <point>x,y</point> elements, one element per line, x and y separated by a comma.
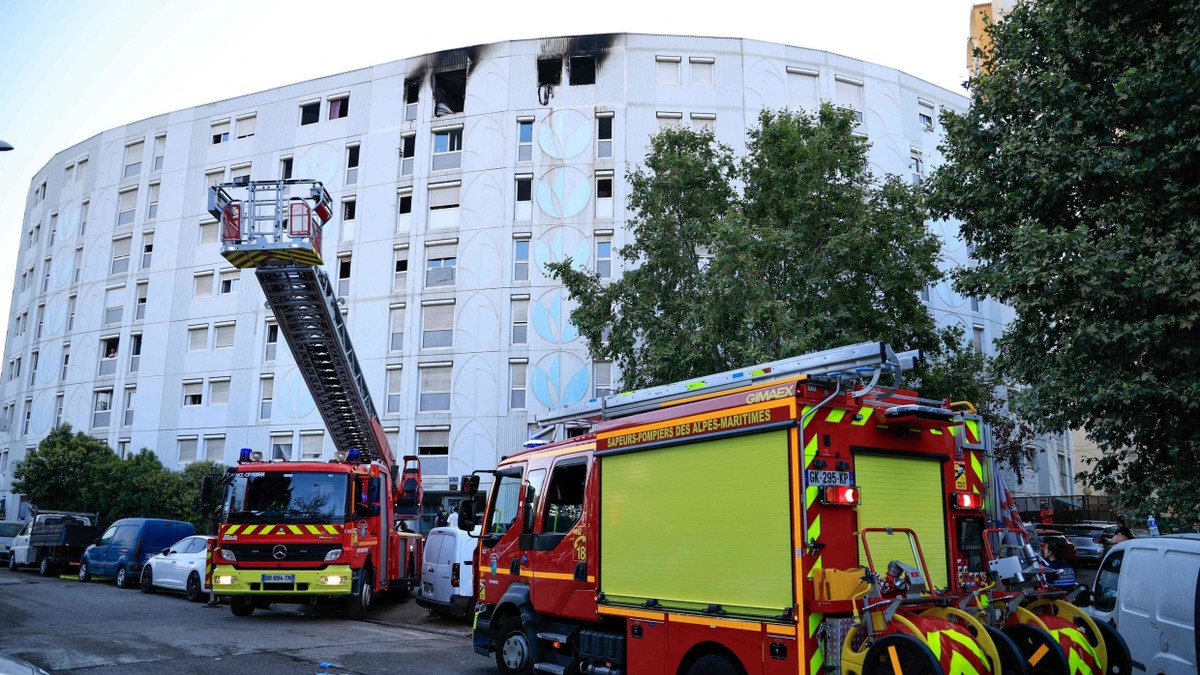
<point>860,361</point>
<point>276,231</point>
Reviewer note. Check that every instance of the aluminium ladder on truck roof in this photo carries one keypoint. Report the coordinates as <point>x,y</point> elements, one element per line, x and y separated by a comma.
<point>276,230</point>
<point>859,361</point>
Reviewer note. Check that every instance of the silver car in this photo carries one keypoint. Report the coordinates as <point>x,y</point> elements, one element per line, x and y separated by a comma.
<point>7,532</point>
<point>1090,551</point>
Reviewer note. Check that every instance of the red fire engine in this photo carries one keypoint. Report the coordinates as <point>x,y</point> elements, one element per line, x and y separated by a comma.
<point>305,531</point>
<point>794,517</point>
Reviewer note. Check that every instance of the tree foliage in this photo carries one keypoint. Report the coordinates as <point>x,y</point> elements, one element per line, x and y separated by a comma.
<point>1074,173</point>
<point>76,472</point>
<point>791,248</point>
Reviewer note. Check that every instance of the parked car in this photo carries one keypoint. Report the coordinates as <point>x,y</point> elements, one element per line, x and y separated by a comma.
<point>1046,536</point>
<point>1090,550</point>
<point>11,665</point>
<point>127,544</point>
<point>447,585</point>
<point>179,567</point>
<point>7,532</point>
<point>52,540</point>
<point>1147,588</point>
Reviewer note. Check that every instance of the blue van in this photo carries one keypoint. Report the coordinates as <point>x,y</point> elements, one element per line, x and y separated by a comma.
<point>127,544</point>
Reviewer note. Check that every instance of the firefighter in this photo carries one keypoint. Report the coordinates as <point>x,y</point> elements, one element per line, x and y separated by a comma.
<point>1047,515</point>
<point>443,517</point>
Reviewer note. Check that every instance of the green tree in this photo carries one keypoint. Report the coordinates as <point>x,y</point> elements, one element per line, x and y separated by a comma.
<point>794,247</point>
<point>1074,172</point>
<point>67,472</point>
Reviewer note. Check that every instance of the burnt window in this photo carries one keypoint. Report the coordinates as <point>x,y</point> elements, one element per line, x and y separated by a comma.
<point>549,71</point>
<point>449,91</point>
<point>412,92</point>
<point>583,70</point>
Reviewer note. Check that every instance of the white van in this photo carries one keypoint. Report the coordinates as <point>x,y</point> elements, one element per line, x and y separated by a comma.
<point>447,571</point>
<point>1147,589</point>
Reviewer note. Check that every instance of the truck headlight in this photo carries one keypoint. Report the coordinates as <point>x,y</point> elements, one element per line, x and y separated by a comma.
<point>333,555</point>
<point>226,554</point>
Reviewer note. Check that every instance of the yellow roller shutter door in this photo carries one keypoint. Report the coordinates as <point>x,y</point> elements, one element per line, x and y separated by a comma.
<point>902,492</point>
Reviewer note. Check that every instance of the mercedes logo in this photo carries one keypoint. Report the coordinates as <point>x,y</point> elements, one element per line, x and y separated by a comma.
<point>279,552</point>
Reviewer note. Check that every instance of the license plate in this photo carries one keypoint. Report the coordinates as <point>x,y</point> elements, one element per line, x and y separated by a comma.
<point>279,578</point>
<point>823,478</point>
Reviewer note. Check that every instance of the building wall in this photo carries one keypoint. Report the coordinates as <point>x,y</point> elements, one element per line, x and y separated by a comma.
<point>74,303</point>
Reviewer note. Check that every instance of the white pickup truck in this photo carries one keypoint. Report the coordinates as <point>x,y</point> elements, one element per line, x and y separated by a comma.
<point>52,540</point>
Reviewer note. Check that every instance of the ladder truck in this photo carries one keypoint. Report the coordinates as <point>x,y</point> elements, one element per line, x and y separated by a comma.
<point>806,516</point>
<point>309,531</point>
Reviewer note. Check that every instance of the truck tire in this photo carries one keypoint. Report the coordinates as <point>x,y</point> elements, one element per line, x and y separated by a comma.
<point>356,604</point>
<point>195,589</point>
<point>147,583</point>
<point>514,648</point>
<point>713,664</point>
<point>45,568</point>
<point>241,605</point>
<point>84,573</point>
<point>12,562</point>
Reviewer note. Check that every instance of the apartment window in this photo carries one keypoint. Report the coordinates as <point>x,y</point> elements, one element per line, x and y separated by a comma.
<point>408,153</point>
<point>133,160</point>
<point>916,164</point>
<point>120,257</point>
<point>14,368</point>
<point>53,228</point>
<point>33,366</point>
<point>58,409</point>
<point>440,263</point>
<point>68,173</point>
<point>520,320</point>
<point>604,257</point>
<point>702,70</point>
<point>223,335</point>
<point>218,391</point>
<point>344,268</point>
<point>193,393</point>
<point>231,281</point>
<point>339,107</point>
<point>310,113</point>
<point>214,177</point>
<point>850,95</point>
<point>667,69</point>
<point>437,325</point>
<point>66,361</point>
<point>669,120</point>
<point>925,114</point>
<point>447,149</point>
<point>285,168</point>
<point>310,444</point>
<point>240,175</point>
<point>114,305</point>
<point>521,260</point>
<point>220,132</point>
<point>449,92</point>
<point>516,390</point>
<point>281,447</point>
<point>393,388</point>
<point>400,270</point>
<point>433,447</point>
<point>524,140</point>
<point>45,280</point>
<point>403,209</point>
<point>127,413</point>
<point>272,342</point>
<point>101,407</point>
<point>925,293</point>
<point>135,351</point>
<point>443,196</point>
<point>246,125</point>
<point>549,72</point>
<point>108,358</point>
<point>703,122</point>
<point>147,249</point>
<point>604,194</point>
<point>139,310</point>
<point>83,217</point>
<point>581,70</point>
<point>152,199</point>
<point>214,448</point>
<point>351,164</point>
<point>29,416</point>
<point>127,202</point>
<point>435,388</point>
<point>81,169</point>
<point>349,211</point>
<point>602,378</point>
<point>266,386</point>
<point>202,285</point>
<point>412,93</point>
<point>197,338</point>
<point>41,320</point>
<point>160,150</point>
<point>187,449</point>
<point>974,304</point>
<point>524,203</point>
<point>604,133</point>
<point>397,328</point>
<point>977,338</point>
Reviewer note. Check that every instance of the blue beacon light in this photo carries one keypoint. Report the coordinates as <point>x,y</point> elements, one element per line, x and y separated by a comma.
<point>353,455</point>
<point>244,455</point>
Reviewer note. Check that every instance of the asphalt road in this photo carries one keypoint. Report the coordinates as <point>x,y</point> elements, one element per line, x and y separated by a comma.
<point>66,626</point>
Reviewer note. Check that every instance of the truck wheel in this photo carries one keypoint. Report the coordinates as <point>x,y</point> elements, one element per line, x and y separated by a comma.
<point>356,605</point>
<point>122,577</point>
<point>242,605</point>
<point>84,573</point>
<point>514,655</point>
<point>194,588</point>
<point>45,568</point>
<point>147,584</point>
<point>12,562</point>
<point>713,664</point>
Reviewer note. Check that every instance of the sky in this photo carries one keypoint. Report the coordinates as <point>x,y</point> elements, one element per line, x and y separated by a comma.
<point>70,69</point>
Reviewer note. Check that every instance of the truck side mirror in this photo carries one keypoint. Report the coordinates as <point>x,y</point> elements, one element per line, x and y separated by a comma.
<point>469,485</point>
<point>527,514</point>
<point>206,494</point>
<point>467,516</point>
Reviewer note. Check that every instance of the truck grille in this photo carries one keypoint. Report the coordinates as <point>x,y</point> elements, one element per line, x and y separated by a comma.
<point>265,552</point>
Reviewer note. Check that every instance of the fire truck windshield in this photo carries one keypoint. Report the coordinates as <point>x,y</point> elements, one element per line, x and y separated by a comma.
<point>278,497</point>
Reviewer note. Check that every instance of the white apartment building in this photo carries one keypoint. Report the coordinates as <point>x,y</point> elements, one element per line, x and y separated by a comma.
<point>459,174</point>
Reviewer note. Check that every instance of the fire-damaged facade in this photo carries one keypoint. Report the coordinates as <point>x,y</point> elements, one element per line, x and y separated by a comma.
<point>455,178</point>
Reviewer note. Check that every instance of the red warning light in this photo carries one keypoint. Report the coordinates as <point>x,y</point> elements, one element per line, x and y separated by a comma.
<point>843,495</point>
<point>966,500</point>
